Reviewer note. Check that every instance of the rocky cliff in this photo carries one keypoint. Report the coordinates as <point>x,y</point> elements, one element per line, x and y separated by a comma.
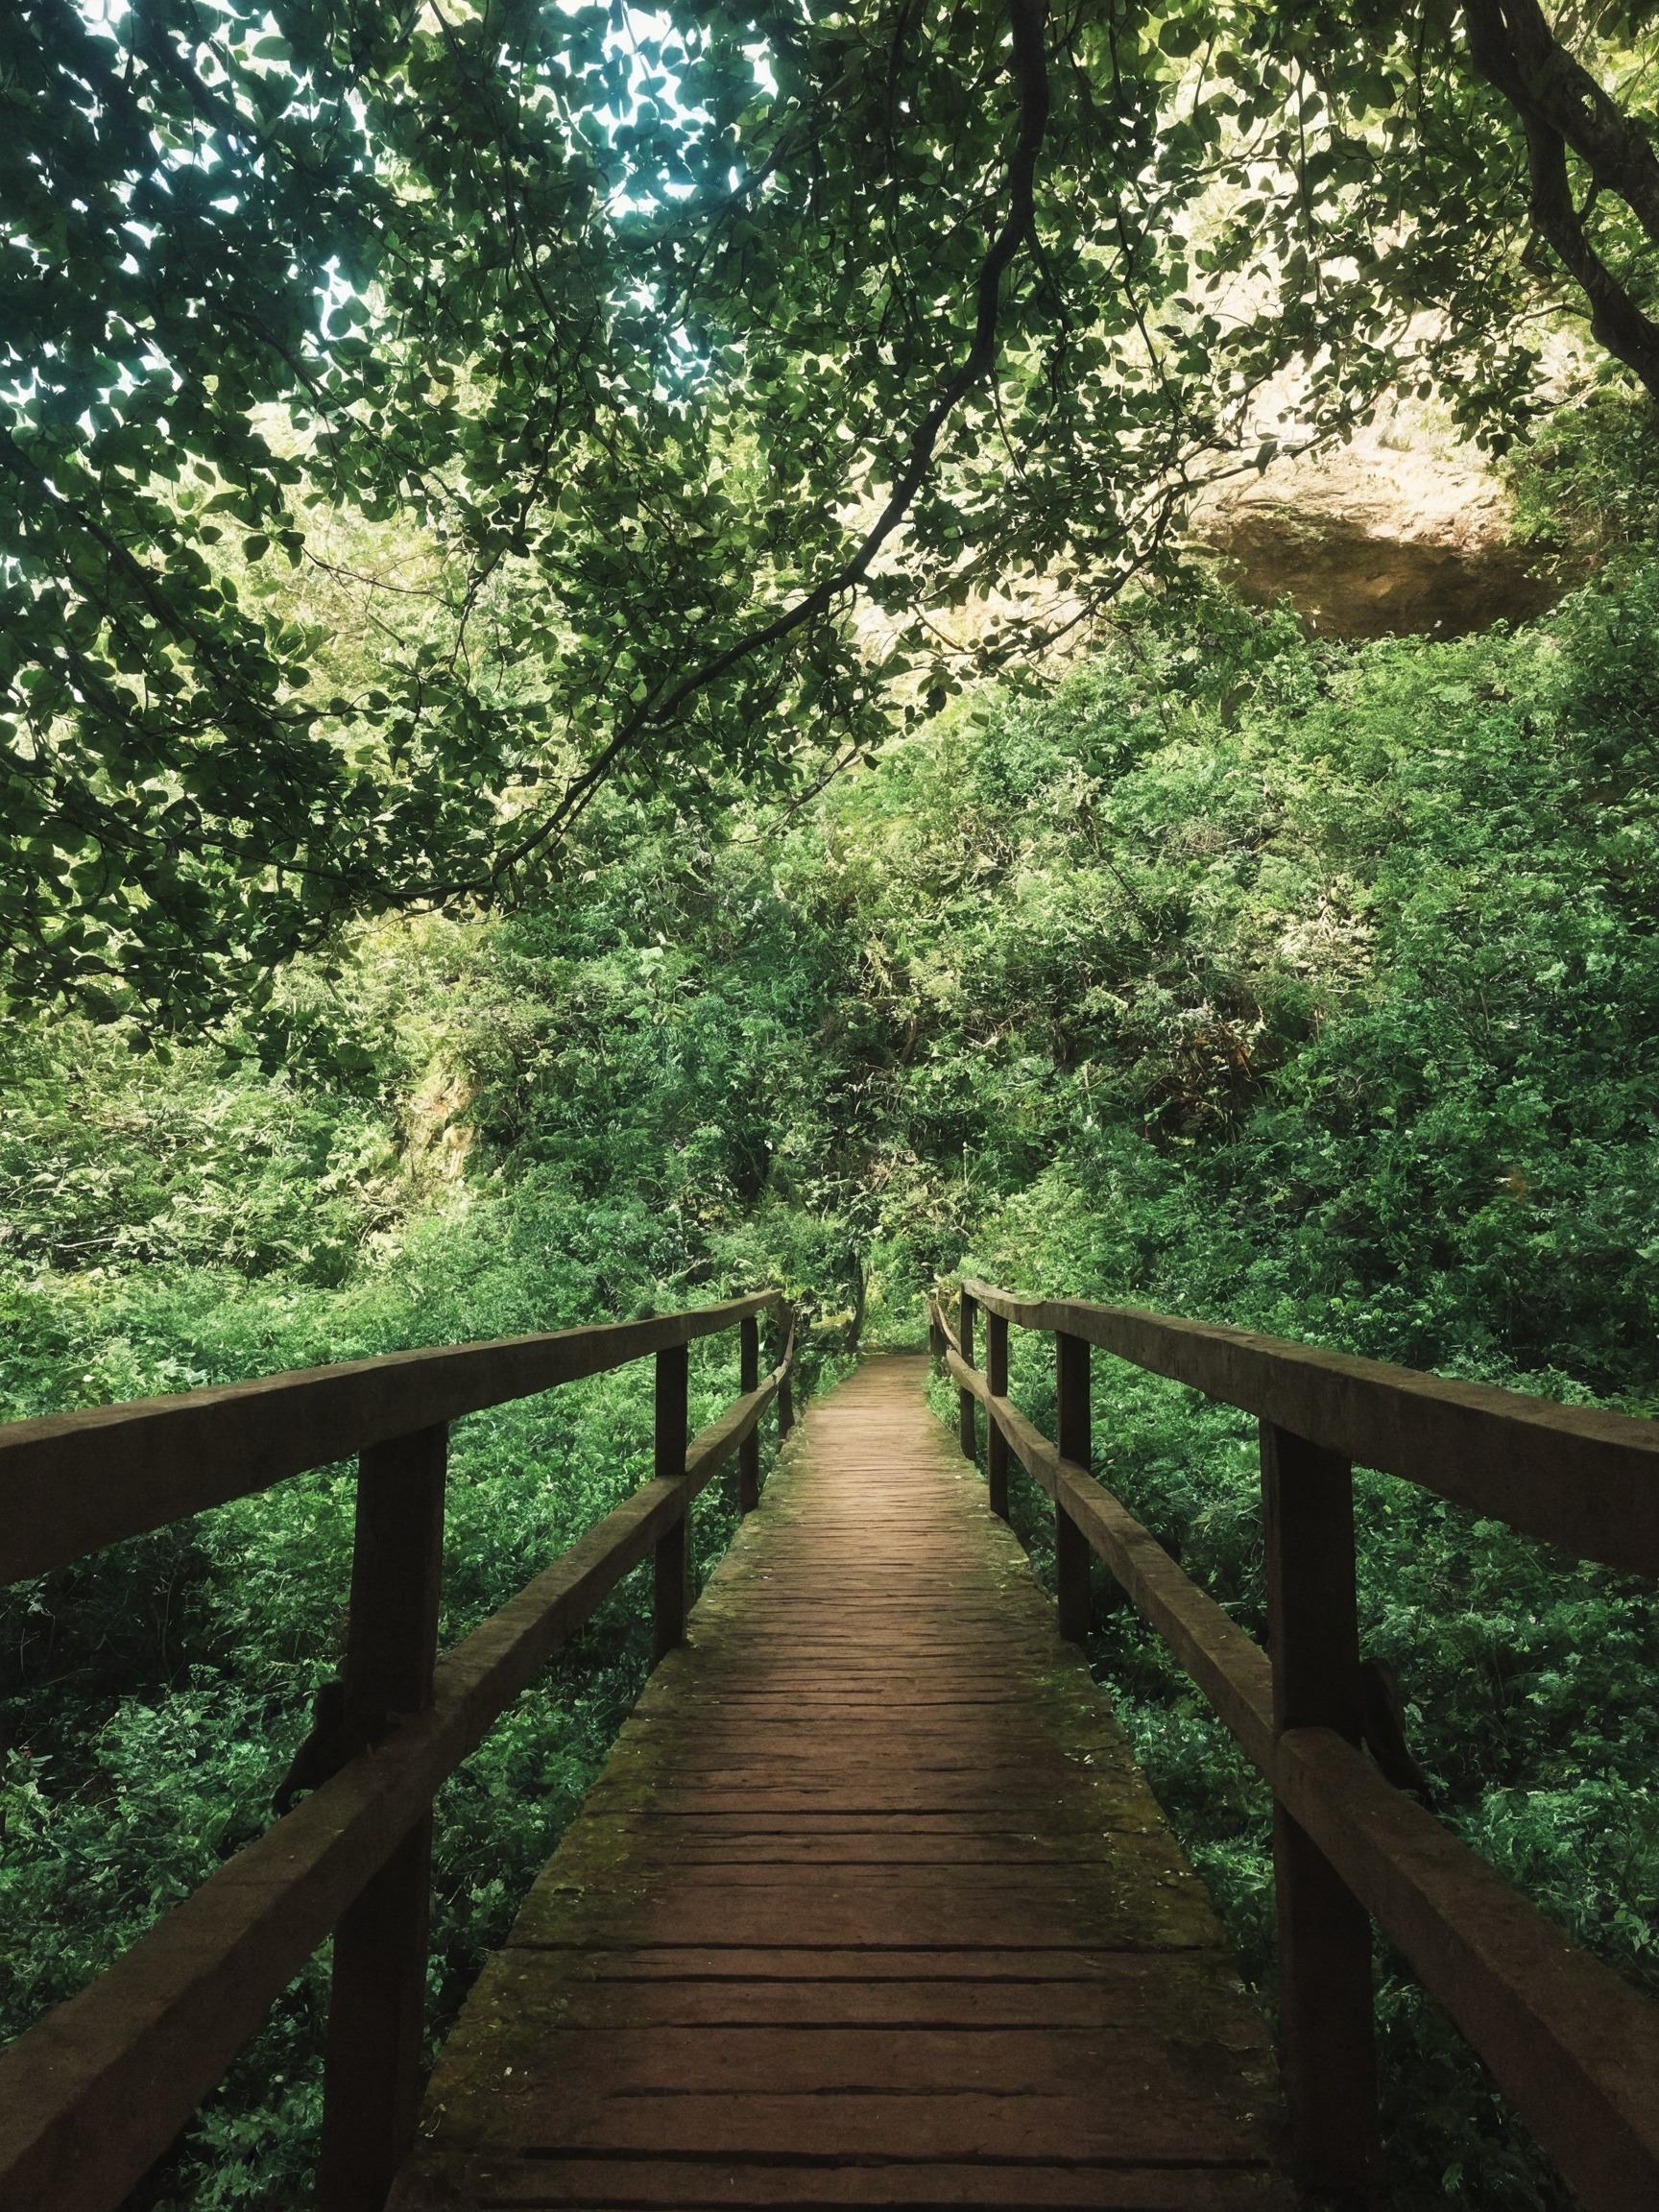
<point>1400,533</point>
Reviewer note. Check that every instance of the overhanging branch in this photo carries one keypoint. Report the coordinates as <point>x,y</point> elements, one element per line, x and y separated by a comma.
<point>1559,105</point>
<point>1027,24</point>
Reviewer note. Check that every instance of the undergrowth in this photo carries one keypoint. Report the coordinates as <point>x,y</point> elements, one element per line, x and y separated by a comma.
<point>1303,987</point>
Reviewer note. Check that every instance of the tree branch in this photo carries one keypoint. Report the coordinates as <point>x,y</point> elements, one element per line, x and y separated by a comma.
<point>1027,21</point>
<point>1561,105</point>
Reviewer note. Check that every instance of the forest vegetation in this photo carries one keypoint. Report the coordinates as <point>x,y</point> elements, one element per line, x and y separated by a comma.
<point>606,703</point>
<point>1309,987</point>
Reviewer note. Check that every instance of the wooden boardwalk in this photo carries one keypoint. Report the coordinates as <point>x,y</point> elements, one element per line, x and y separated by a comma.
<point>870,1905</point>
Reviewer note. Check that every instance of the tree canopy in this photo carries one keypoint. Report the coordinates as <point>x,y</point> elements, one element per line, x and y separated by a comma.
<point>415,413</point>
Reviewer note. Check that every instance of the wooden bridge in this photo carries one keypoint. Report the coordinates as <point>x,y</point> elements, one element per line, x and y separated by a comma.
<point>870,1905</point>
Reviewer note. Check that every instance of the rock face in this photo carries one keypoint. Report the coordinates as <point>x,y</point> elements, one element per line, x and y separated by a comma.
<point>1383,538</point>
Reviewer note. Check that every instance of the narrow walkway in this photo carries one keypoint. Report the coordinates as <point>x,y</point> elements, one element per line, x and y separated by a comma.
<point>869,1906</point>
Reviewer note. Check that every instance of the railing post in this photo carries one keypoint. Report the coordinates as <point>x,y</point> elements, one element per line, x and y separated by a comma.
<point>670,1565</point>
<point>1325,2001</point>
<point>786,1386</point>
<point>965,1398</point>
<point>749,1378</point>
<point>996,1443</point>
<point>1070,1545</point>
<point>377,1999</point>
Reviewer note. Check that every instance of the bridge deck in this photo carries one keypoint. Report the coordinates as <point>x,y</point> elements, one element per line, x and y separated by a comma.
<point>870,1905</point>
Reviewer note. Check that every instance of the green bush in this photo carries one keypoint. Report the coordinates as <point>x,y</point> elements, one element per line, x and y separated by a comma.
<point>1308,988</point>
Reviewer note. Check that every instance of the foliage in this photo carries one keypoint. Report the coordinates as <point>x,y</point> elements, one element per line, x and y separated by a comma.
<point>153,1696</point>
<point>173,1164</point>
<point>427,434</point>
<point>411,417</point>
<point>1310,988</point>
<point>1589,479</point>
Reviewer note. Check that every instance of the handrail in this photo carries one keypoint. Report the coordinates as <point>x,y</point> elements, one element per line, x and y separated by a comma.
<point>72,1482</point>
<point>1575,2048</point>
<point>1231,1670</point>
<point>93,2094</point>
<point>1502,1452</point>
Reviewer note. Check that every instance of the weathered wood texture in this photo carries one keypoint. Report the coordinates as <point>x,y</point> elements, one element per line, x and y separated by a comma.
<point>671,1591</point>
<point>996,1443</point>
<point>1575,2048</point>
<point>870,1905</point>
<point>376,2008</point>
<point>71,1483</point>
<point>965,1398</point>
<point>1072,1579</point>
<point>93,2093</point>
<point>1579,1477</point>
<point>1325,2007</point>
<point>749,1452</point>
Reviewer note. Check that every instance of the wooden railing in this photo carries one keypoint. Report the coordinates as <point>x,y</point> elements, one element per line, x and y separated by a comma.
<point>93,2094</point>
<point>1572,2047</point>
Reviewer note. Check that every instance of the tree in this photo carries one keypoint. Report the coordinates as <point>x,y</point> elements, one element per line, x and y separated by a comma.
<point>1564,111</point>
<point>630,356</point>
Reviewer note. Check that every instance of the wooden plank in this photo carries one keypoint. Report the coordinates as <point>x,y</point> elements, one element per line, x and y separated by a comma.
<point>873,1789</point>
<point>1127,1906</point>
<point>776,1699</point>
<point>789,1967</point>
<point>966,1437</point>
<point>1326,2028</point>
<point>71,1483</point>
<point>784,1370</point>
<point>92,2095</point>
<point>377,1983</point>
<point>1574,2048</point>
<point>749,1378</point>
<point>670,1593</point>
<point>1073,1423</point>
<point>1117,1996</point>
<point>1577,1475</point>
<point>746,1846</point>
<point>533,2122</point>
<point>996,1442</point>
<point>1109,2066</point>
<point>848,2125</point>
<point>666,2185</point>
<point>879,1945</point>
<point>1233,1670</point>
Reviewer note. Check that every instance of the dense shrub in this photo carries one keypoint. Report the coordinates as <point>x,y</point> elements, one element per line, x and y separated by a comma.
<point>1307,988</point>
